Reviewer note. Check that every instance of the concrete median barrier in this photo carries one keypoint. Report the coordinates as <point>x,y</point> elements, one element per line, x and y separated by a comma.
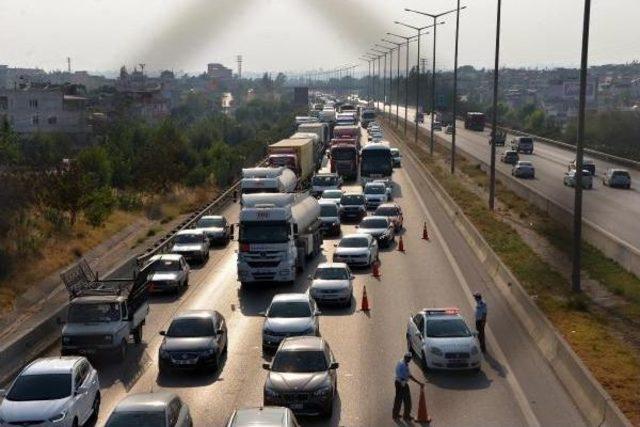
<point>590,398</point>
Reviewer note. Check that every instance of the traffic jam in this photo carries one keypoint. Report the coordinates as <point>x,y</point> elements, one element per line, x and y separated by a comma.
<point>328,185</point>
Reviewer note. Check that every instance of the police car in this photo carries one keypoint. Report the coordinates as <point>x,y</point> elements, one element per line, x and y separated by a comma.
<point>442,340</point>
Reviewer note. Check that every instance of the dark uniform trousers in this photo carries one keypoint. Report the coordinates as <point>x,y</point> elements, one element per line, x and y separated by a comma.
<point>403,395</point>
<point>480,328</point>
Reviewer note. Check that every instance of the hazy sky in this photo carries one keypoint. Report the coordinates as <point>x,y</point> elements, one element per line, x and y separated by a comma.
<point>300,34</point>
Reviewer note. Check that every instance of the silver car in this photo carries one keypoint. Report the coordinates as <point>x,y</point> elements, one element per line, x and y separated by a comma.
<point>150,409</point>
<point>570,179</point>
<point>617,178</point>
<point>380,227</point>
<point>289,315</point>
<point>356,250</point>
<point>52,391</point>
<point>375,194</point>
<point>271,416</point>
<point>332,283</point>
<point>523,169</point>
<point>168,272</point>
<point>215,227</point>
<point>191,244</point>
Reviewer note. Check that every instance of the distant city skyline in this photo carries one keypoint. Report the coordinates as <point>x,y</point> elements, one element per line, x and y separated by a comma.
<point>296,35</point>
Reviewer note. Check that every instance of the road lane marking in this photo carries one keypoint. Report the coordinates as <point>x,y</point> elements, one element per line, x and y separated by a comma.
<point>519,395</point>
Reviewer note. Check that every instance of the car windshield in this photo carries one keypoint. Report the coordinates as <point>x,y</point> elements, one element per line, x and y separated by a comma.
<point>289,309</point>
<point>40,387</point>
<point>137,419</point>
<point>299,361</point>
<point>352,199</point>
<point>94,312</point>
<point>211,223</point>
<point>368,115</point>
<point>328,210</point>
<point>375,189</point>
<point>354,242</point>
<point>259,232</point>
<point>395,152</point>
<point>340,153</point>
<point>190,328</point>
<point>387,211</point>
<point>447,328</point>
<point>165,265</point>
<point>374,223</point>
<point>184,239</point>
<point>525,164</point>
<point>624,174</point>
<point>331,273</point>
<point>331,194</point>
<point>325,180</point>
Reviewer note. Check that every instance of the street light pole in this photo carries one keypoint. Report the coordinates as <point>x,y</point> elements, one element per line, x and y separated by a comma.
<point>398,46</point>
<point>406,78</point>
<point>494,118</point>
<point>577,204</point>
<point>381,78</point>
<point>454,108</point>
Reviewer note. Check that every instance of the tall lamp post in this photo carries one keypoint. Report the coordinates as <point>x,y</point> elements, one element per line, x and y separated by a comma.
<point>419,30</point>
<point>371,58</point>
<point>406,78</point>
<point>383,77</point>
<point>398,46</point>
<point>378,57</point>
<point>390,50</point>
<point>433,72</point>
<point>494,113</point>
<point>577,204</point>
<point>368,61</point>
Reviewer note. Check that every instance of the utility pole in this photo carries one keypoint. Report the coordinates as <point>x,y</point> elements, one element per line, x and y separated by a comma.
<point>423,65</point>
<point>577,204</point>
<point>494,119</point>
<point>454,107</point>
<point>69,65</point>
<point>239,61</point>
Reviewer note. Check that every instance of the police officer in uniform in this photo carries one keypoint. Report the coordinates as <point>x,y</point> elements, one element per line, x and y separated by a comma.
<point>403,394</point>
<point>481,319</point>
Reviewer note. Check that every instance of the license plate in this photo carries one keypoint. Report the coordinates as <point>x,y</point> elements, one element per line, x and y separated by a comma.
<point>457,361</point>
<point>296,406</point>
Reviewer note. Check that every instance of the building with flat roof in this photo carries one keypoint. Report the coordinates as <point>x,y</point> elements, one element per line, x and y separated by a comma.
<point>219,72</point>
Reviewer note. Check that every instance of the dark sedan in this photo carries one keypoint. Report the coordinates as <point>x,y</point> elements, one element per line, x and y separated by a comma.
<point>302,377</point>
<point>195,339</point>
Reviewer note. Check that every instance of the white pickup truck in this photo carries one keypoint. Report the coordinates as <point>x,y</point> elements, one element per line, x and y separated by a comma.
<point>103,314</point>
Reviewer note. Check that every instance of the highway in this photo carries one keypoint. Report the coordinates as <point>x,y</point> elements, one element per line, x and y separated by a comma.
<point>515,387</point>
<point>612,209</point>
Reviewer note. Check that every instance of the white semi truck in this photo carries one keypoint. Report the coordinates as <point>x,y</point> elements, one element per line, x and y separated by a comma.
<point>268,180</point>
<point>277,234</point>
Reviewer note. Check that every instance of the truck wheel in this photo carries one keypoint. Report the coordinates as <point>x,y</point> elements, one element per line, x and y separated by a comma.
<point>122,351</point>
<point>137,335</point>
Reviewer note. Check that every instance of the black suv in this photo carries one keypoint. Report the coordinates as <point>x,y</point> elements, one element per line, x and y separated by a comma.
<point>353,206</point>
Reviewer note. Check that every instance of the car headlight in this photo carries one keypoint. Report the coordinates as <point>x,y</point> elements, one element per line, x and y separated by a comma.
<point>436,351</point>
<point>474,350</point>
<point>58,418</point>
<point>324,391</point>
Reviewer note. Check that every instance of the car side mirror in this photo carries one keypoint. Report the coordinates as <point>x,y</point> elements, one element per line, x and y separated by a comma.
<point>335,245</point>
<point>163,333</point>
<point>334,365</point>
<point>309,277</point>
<point>475,333</point>
<point>318,313</point>
<point>82,389</point>
<point>352,277</point>
<point>262,313</point>
<point>232,231</point>
<point>220,331</point>
<point>266,366</point>
<point>3,392</point>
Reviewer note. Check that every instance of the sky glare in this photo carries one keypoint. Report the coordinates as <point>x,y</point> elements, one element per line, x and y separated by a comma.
<point>297,35</point>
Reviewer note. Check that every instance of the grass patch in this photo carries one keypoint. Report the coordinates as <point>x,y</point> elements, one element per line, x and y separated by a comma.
<point>613,361</point>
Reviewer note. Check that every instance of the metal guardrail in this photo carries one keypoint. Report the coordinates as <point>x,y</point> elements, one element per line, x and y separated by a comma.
<point>163,244</point>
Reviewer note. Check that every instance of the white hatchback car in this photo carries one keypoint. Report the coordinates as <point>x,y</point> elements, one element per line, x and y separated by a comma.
<point>52,391</point>
<point>357,250</point>
<point>442,340</point>
<point>332,283</point>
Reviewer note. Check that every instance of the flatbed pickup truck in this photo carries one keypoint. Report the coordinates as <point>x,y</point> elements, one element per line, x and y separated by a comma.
<point>103,313</point>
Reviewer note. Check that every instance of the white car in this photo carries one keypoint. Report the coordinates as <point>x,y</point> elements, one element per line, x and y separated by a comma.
<point>168,272</point>
<point>332,283</point>
<point>375,194</point>
<point>289,315</point>
<point>357,250</point>
<point>215,227</point>
<point>570,179</point>
<point>332,195</point>
<point>376,136</point>
<point>325,181</point>
<point>161,408</point>
<point>442,340</point>
<point>52,391</point>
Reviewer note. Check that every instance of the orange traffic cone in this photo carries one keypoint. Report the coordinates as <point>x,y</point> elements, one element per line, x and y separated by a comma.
<point>423,414</point>
<point>401,245</point>
<point>425,233</point>
<point>365,300</point>
<point>375,266</point>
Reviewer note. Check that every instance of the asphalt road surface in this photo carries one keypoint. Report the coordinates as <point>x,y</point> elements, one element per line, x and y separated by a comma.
<point>612,209</point>
<point>514,388</point>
